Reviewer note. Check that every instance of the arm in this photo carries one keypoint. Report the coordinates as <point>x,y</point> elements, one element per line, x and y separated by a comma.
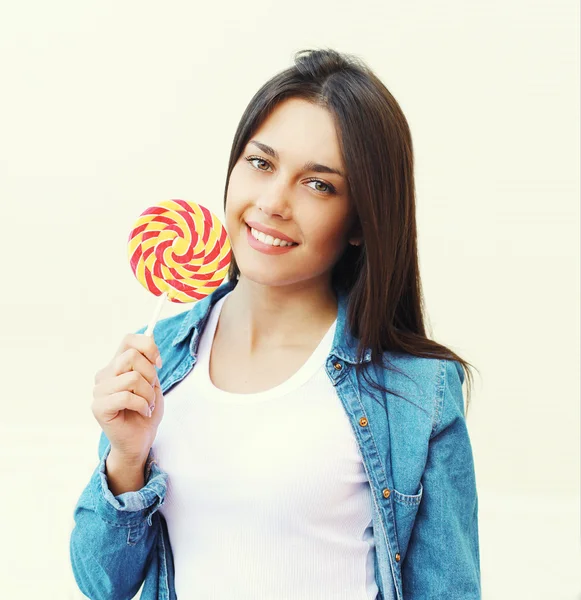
<point>115,537</point>
<point>443,560</point>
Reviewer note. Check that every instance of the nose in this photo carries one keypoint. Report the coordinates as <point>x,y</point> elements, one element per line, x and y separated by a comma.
<point>274,201</point>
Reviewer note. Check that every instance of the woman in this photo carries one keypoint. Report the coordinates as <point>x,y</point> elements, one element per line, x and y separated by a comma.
<point>319,449</point>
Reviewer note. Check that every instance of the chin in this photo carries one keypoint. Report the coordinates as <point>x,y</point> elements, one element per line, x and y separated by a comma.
<point>272,278</point>
<point>261,277</point>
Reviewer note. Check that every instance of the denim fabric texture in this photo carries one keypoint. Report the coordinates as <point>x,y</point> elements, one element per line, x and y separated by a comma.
<point>416,453</point>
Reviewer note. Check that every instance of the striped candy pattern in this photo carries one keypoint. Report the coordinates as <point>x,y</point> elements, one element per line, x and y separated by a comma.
<point>179,247</point>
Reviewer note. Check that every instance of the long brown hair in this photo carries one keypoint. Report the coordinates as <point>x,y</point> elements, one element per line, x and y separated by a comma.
<point>381,276</point>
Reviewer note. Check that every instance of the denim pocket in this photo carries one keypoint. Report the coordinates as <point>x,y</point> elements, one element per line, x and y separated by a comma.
<point>408,499</point>
<point>406,508</point>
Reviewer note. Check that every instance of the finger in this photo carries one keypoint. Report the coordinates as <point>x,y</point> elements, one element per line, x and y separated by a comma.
<point>133,360</point>
<point>155,398</point>
<point>127,382</point>
<point>121,401</point>
<point>157,408</point>
<point>144,344</point>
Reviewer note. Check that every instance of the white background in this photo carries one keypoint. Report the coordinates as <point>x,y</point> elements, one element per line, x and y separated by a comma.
<point>109,107</point>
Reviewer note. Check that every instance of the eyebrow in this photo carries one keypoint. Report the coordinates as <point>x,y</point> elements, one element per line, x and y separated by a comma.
<point>308,166</point>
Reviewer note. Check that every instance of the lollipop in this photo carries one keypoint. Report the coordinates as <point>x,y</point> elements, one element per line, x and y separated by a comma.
<point>180,251</point>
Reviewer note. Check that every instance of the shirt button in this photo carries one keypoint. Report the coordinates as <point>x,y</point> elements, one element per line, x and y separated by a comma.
<point>363,422</point>
<point>386,493</point>
<point>397,557</point>
<point>337,366</point>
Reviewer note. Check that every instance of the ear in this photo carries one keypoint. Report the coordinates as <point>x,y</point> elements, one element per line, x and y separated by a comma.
<point>356,235</point>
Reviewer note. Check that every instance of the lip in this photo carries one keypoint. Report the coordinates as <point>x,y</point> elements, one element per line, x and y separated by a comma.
<point>265,248</point>
<point>269,231</point>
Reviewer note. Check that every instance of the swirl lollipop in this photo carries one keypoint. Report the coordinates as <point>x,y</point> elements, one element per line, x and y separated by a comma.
<point>180,251</point>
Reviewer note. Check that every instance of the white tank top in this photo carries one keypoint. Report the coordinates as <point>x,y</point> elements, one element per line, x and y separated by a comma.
<point>267,494</point>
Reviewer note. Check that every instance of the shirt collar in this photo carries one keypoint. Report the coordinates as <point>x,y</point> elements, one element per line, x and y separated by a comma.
<point>344,344</point>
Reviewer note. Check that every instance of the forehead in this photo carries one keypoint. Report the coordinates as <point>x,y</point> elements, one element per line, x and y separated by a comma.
<point>300,130</point>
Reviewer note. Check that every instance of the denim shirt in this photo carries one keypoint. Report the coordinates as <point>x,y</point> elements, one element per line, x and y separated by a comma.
<point>415,449</point>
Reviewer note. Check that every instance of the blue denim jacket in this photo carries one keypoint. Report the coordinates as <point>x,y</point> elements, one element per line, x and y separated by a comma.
<point>416,453</point>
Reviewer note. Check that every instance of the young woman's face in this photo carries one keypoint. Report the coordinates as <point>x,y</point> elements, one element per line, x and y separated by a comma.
<point>289,199</point>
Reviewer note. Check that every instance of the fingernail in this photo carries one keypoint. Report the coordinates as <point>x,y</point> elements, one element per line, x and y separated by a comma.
<point>158,362</point>
<point>151,409</point>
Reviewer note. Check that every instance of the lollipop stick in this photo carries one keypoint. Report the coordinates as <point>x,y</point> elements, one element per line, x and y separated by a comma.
<point>158,308</point>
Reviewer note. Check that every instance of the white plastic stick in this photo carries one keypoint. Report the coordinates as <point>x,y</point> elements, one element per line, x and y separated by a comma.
<point>158,308</point>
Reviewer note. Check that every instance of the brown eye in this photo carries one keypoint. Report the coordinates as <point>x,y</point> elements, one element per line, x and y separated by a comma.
<point>251,159</point>
<point>329,189</point>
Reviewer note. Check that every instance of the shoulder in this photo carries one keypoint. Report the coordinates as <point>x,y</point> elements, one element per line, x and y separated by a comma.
<point>422,396</point>
<point>175,329</point>
<point>431,387</point>
<point>449,406</point>
<point>168,329</point>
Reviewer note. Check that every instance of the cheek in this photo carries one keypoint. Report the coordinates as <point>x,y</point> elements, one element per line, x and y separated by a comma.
<point>233,199</point>
<point>232,216</point>
<point>329,231</point>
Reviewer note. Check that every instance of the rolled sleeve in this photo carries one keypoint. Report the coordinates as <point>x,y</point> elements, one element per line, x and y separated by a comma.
<point>114,540</point>
<point>130,508</point>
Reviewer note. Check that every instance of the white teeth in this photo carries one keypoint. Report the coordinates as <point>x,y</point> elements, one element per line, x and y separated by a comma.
<point>268,239</point>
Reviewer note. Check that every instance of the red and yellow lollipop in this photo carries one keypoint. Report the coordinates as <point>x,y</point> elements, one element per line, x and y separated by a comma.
<point>179,250</point>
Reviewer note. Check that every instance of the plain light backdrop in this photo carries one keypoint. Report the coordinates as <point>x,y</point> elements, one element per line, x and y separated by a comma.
<point>107,108</point>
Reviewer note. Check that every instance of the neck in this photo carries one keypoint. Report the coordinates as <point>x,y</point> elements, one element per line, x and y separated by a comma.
<point>263,317</point>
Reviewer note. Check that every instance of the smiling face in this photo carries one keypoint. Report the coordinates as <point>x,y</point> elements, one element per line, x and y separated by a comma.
<point>281,185</point>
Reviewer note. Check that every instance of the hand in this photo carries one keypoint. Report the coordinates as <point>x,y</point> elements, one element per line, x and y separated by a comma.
<point>124,392</point>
